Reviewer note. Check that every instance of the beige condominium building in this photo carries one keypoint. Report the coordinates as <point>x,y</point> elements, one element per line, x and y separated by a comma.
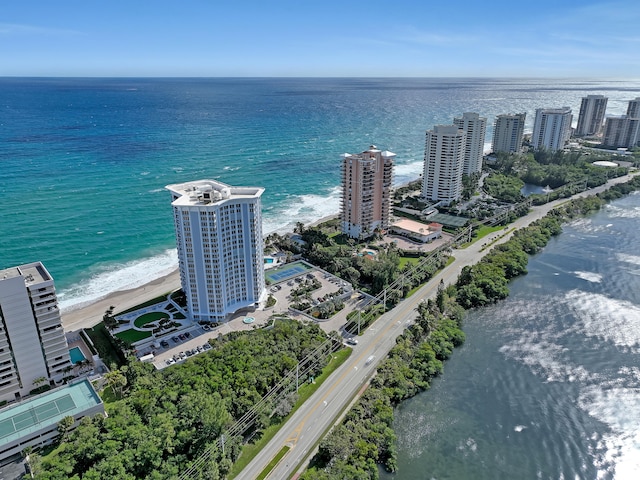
<point>475,128</point>
<point>508,131</point>
<point>33,346</point>
<point>220,251</point>
<point>367,180</point>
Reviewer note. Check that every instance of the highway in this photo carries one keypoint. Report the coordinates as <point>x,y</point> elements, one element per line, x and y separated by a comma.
<point>326,406</point>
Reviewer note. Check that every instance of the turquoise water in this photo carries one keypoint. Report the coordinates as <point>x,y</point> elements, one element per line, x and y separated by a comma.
<point>85,161</point>
<point>76,355</point>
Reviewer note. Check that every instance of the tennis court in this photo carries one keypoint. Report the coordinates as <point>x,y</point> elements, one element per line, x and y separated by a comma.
<point>35,415</point>
<point>288,271</point>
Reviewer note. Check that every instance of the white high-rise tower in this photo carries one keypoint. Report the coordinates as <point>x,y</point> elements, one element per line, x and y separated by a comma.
<point>220,248</point>
<point>443,163</point>
<point>475,128</point>
<point>552,128</point>
<point>591,117</point>
<point>621,132</point>
<point>633,110</point>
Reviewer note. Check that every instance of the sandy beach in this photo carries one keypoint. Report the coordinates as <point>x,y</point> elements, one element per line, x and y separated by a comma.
<point>89,315</point>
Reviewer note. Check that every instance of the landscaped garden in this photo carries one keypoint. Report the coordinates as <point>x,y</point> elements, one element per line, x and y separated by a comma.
<point>146,318</point>
<point>131,336</point>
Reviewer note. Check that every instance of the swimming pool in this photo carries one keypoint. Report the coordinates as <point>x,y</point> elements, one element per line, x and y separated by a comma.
<point>76,355</point>
<point>268,260</point>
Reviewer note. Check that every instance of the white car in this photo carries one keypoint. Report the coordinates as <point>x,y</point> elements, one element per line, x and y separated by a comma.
<point>352,341</point>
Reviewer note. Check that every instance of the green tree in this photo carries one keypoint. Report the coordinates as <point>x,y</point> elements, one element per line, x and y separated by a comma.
<point>65,425</point>
<point>116,381</point>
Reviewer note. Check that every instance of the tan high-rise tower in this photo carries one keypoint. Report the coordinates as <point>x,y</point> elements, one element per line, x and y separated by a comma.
<point>367,179</point>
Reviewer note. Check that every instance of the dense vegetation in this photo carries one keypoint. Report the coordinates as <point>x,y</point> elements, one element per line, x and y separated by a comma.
<point>165,419</point>
<point>556,169</point>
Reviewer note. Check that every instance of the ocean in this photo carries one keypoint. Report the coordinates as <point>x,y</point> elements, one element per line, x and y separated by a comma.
<point>547,385</point>
<point>85,160</point>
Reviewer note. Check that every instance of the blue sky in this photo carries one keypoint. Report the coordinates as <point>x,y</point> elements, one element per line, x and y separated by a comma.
<point>542,38</point>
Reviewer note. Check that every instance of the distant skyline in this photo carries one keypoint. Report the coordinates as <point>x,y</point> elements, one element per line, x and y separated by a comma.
<point>374,38</point>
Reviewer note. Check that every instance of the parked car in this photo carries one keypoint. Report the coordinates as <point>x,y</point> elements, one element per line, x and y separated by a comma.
<point>164,343</point>
<point>175,339</point>
<point>206,346</point>
<point>199,348</point>
<point>182,337</point>
<point>187,334</point>
<point>352,341</point>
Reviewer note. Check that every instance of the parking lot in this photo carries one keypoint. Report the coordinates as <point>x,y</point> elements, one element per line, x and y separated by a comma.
<point>173,351</point>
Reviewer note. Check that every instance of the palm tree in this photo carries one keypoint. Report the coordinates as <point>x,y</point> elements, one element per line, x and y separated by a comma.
<point>65,425</point>
<point>116,380</point>
<point>38,381</point>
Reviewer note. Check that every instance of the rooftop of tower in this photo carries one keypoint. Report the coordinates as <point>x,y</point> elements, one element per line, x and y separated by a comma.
<point>205,192</point>
<point>32,273</point>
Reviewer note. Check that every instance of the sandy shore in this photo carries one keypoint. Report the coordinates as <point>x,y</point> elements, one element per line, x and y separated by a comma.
<point>89,315</point>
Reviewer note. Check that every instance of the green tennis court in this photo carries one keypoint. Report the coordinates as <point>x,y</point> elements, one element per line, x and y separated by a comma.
<point>288,271</point>
<point>36,414</point>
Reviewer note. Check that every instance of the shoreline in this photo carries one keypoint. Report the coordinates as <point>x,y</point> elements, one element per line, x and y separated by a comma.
<point>89,314</point>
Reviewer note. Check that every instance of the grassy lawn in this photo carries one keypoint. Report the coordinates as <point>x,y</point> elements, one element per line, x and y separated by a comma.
<point>267,470</point>
<point>107,395</point>
<point>130,336</point>
<point>404,261</point>
<point>149,317</point>
<point>100,338</point>
<point>249,451</point>
<point>484,231</point>
<point>179,316</point>
<point>148,303</point>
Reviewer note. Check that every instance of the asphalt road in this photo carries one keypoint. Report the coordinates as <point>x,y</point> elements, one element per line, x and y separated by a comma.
<point>325,407</point>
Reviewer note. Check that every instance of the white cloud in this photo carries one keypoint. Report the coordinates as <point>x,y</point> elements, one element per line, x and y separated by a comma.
<point>9,29</point>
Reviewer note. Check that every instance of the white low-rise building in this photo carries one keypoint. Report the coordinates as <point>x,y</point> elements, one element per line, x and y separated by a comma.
<point>420,232</point>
